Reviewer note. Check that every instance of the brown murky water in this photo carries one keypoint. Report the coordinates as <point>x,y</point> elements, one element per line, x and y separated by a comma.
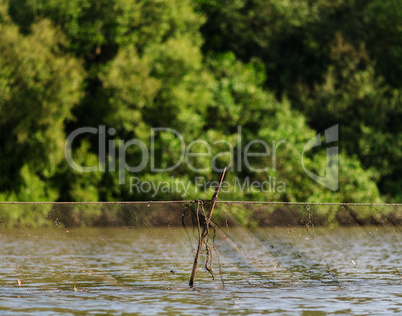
<point>287,271</point>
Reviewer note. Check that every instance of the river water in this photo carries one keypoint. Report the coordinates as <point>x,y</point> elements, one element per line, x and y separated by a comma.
<point>144,271</point>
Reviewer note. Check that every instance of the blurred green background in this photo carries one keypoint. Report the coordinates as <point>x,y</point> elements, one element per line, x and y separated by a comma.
<point>282,70</point>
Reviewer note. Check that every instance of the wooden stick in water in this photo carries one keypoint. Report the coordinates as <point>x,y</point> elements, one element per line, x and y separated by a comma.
<point>205,230</point>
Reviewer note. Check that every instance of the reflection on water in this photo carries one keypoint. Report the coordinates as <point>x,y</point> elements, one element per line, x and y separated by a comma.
<point>146,271</point>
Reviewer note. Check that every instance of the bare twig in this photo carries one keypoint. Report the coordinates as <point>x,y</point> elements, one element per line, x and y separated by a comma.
<point>205,230</point>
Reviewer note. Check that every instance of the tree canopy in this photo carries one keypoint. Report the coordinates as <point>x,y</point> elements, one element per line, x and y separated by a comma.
<point>280,70</point>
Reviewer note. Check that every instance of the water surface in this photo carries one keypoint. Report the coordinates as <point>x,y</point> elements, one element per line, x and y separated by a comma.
<point>286,271</point>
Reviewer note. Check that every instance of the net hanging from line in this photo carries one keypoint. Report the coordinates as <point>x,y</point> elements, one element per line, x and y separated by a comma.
<point>56,246</point>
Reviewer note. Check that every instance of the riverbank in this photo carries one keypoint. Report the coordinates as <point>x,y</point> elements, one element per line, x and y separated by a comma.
<point>175,213</point>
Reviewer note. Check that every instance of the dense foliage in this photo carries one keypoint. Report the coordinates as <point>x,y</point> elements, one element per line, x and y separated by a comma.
<point>281,70</point>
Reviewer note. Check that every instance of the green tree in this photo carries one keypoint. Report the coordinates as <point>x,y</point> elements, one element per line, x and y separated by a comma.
<point>336,62</point>
<point>39,85</point>
<point>239,99</point>
<point>368,110</point>
<point>143,67</point>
